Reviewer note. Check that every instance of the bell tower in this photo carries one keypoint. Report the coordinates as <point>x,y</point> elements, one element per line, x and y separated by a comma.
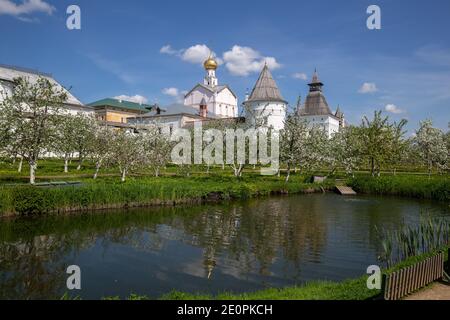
<point>210,66</point>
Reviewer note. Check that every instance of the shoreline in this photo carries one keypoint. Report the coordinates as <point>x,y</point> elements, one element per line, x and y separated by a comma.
<point>169,191</point>
<point>210,197</point>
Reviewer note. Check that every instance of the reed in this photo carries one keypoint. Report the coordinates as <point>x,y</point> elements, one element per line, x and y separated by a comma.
<point>430,235</point>
<point>415,186</point>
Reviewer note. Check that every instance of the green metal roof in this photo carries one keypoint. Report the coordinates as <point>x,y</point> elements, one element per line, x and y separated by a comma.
<point>122,104</point>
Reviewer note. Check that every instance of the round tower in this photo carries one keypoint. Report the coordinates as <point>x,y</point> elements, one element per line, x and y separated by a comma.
<point>265,106</point>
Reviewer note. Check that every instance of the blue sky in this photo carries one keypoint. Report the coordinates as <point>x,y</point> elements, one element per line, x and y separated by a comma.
<point>152,49</point>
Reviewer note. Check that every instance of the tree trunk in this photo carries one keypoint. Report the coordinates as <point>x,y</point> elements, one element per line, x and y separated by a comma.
<point>124,175</point>
<point>97,169</point>
<point>66,164</point>
<point>157,172</point>
<point>80,161</point>
<point>19,169</point>
<point>430,168</point>
<point>288,173</point>
<point>32,172</point>
<point>372,166</point>
<point>241,168</point>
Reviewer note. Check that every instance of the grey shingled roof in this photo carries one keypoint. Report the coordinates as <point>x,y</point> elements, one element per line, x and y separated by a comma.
<point>9,73</point>
<point>316,104</point>
<point>178,108</point>
<point>265,88</point>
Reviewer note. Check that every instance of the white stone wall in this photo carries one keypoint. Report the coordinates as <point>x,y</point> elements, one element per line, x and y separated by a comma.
<point>329,123</point>
<point>5,89</point>
<point>274,112</point>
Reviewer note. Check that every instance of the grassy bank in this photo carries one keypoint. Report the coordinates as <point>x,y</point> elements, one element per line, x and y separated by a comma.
<point>434,188</point>
<point>109,193</point>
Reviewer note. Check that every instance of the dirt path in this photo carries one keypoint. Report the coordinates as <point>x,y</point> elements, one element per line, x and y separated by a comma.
<point>437,291</point>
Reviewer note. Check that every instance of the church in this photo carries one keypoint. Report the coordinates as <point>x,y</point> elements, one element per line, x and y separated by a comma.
<point>211,99</point>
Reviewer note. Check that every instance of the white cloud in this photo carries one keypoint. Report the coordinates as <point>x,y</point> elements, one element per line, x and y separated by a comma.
<point>241,61</point>
<point>27,7</point>
<point>136,98</point>
<point>392,108</point>
<point>167,49</point>
<point>300,75</point>
<point>175,93</point>
<point>196,54</point>
<point>368,87</point>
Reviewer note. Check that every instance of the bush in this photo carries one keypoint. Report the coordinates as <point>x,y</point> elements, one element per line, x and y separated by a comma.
<point>31,200</point>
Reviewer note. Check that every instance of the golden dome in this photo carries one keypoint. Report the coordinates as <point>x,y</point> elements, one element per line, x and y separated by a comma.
<point>210,64</point>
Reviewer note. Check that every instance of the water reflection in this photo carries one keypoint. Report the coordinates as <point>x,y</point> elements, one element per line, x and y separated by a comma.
<point>234,247</point>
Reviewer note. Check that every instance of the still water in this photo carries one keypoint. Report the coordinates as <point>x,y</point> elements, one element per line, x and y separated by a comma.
<point>237,247</point>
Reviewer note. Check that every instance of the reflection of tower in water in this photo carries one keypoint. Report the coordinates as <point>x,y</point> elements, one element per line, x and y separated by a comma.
<point>209,261</point>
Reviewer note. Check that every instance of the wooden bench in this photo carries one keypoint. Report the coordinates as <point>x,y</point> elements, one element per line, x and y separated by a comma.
<point>407,280</point>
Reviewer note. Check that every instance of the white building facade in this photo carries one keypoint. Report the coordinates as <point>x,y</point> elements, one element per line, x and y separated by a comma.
<point>221,102</point>
<point>316,111</point>
<point>265,106</point>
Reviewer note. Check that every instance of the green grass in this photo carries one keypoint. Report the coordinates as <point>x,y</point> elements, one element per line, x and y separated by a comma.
<point>143,191</point>
<point>320,290</point>
<point>435,188</point>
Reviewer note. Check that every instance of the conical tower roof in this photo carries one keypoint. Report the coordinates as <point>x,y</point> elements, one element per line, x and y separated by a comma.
<point>265,88</point>
<point>315,77</point>
<point>315,103</point>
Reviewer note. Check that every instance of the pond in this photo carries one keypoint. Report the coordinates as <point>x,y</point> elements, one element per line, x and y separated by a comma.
<point>234,247</point>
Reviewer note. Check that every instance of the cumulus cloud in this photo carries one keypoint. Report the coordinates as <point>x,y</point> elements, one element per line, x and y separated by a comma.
<point>175,93</point>
<point>27,7</point>
<point>300,75</point>
<point>136,98</point>
<point>392,108</point>
<point>196,54</point>
<point>241,61</point>
<point>167,49</point>
<point>368,87</point>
